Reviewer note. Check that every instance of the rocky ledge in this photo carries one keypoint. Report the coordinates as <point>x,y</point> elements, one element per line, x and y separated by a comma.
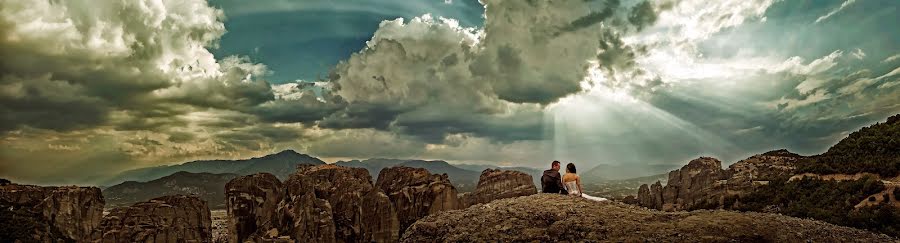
<point>551,217</point>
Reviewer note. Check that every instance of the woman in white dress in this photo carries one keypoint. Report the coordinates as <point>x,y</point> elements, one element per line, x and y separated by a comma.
<point>572,182</point>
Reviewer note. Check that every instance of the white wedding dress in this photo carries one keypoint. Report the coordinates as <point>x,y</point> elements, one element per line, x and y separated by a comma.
<point>572,188</point>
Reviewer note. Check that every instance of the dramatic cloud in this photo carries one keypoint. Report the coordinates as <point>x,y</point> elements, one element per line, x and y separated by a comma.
<point>90,88</point>
<point>430,77</point>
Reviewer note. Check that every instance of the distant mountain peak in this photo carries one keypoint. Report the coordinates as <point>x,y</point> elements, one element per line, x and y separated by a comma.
<point>288,152</point>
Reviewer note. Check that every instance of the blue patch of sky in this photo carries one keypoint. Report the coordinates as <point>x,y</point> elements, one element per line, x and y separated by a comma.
<point>790,29</point>
<point>302,40</point>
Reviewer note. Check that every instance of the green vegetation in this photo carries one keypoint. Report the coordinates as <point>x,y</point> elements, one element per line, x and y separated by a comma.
<point>874,149</point>
<point>830,201</point>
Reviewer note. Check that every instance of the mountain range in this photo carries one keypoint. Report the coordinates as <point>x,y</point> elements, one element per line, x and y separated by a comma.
<point>207,186</point>
<point>280,164</point>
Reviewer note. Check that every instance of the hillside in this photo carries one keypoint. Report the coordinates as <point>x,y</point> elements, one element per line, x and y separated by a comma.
<point>550,217</point>
<point>874,149</point>
<point>280,164</point>
<point>207,186</point>
<point>851,193</point>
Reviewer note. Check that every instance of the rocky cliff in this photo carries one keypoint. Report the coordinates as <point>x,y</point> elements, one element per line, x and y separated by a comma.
<point>324,203</point>
<point>361,212</point>
<point>49,214</point>
<point>498,184</point>
<point>174,218</point>
<point>550,217</point>
<point>703,184</point>
<point>416,193</point>
<point>251,203</point>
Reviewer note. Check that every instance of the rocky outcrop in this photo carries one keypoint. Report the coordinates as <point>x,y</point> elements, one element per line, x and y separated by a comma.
<point>703,184</point>
<point>572,219</point>
<point>324,203</point>
<point>361,212</point>
<point>174,218</point>
<point>49,214</point>
<point>772,165</point>
<point>251,203</point>
<point>416,193</point>
<point>303,217</point>
<point>690,186</point>
<point>498,184</point>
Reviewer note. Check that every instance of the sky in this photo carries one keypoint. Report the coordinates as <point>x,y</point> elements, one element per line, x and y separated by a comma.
<point>89,88</point>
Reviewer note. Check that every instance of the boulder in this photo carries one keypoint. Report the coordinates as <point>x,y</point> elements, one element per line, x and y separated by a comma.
<point>498,184</point>
<point>174,218</point>
<point>49,214</point>
<point>416,193</point>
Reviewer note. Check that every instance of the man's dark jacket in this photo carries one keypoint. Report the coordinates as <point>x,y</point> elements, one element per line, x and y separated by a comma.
<point>551,182</point>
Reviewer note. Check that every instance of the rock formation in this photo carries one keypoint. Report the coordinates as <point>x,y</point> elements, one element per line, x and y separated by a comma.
<point>49,214</point>
<point>416,193</point>
<point>361,212</point>
<point>174,218</point>
<point>324,203</point>
<point>572,219</point>
<point>302,216</point>
<point>498,184</point>
<point>702,183</point>
<point>251,202</point>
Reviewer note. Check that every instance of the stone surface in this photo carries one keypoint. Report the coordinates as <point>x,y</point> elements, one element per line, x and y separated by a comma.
<point>251,203</point>
<point>550,218</point>
<point>324,203</point>
<point>498,184</point>
<point>361,212</point>
<point>687,188</point>
<point>302,216</point>
<point>174,218</point>
<point>48,214</point>
<point>416,193</point>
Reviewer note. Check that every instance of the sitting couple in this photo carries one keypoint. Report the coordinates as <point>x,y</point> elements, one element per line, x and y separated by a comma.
<point>568,184</point>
